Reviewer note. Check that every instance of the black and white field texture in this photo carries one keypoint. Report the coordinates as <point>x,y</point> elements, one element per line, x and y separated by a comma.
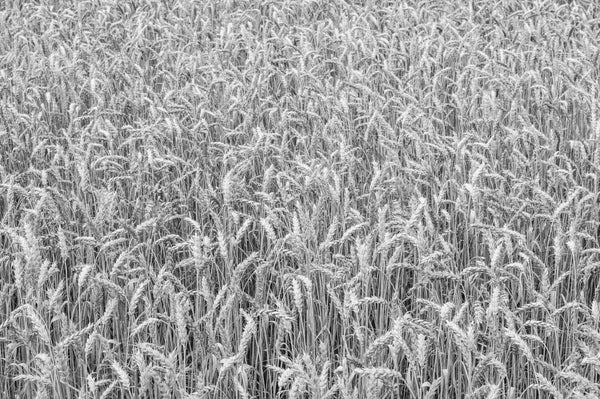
<point>303,199</point>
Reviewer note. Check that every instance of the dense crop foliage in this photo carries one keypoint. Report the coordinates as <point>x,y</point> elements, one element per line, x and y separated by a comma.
<point>299,199</point>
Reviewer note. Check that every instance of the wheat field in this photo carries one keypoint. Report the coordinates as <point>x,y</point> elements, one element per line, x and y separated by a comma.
<point>299,199</point>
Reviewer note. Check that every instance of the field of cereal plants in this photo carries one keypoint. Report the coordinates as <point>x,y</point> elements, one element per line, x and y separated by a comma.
<point>299,199</point>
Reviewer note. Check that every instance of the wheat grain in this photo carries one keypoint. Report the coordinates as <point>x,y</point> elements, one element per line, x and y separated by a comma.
<point>237,192</point>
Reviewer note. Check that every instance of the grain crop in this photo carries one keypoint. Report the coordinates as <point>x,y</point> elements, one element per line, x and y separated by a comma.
<point>299,199</point>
